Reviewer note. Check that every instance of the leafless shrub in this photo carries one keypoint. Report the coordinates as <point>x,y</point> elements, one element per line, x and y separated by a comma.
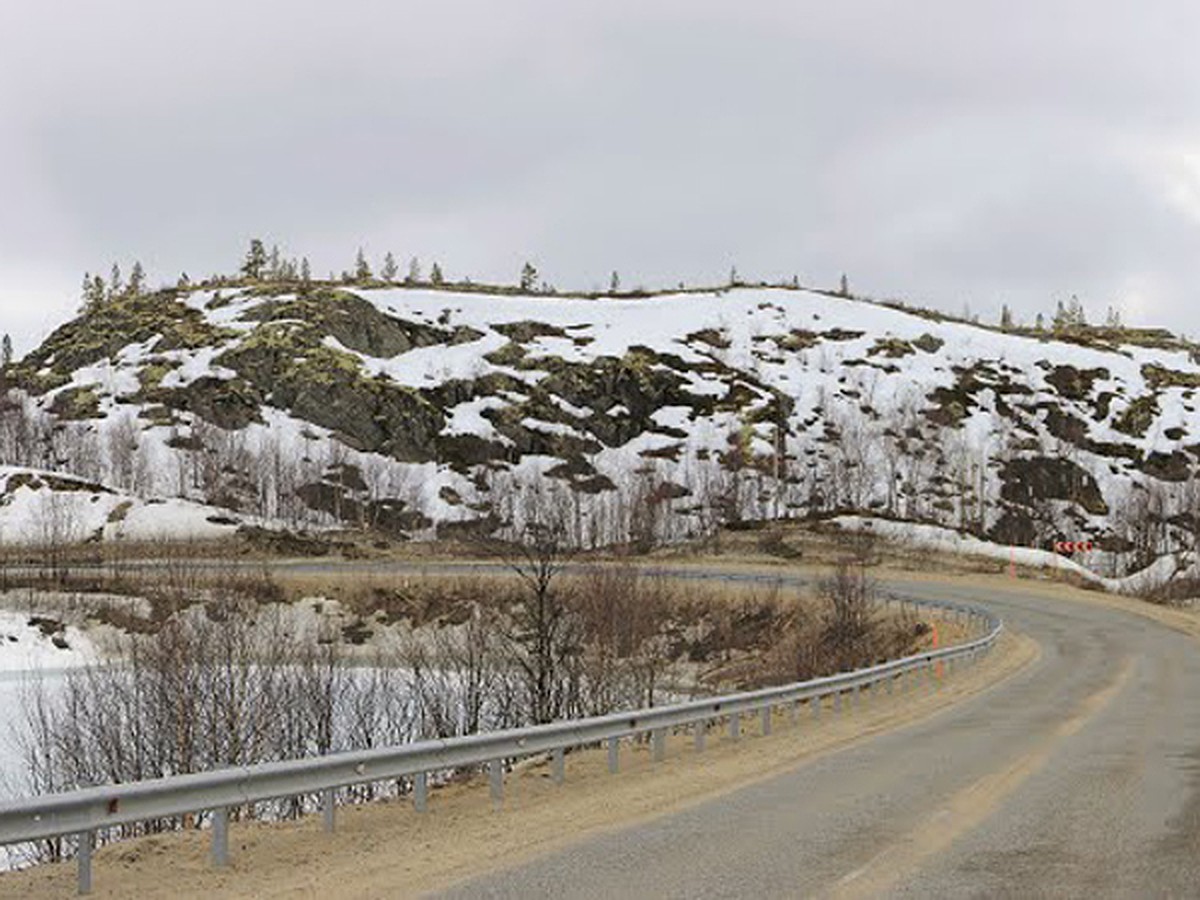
<point>844,629</point>
<point>622,616</point>
<point>57,529</point>
<point>850,596</point>
<point>1180,592</point>
<point>540,632</point>
<point>211,688</point>
<point>771,542</point>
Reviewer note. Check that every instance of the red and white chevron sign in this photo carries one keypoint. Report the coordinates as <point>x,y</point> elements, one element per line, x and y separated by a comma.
<point>1073,546</point>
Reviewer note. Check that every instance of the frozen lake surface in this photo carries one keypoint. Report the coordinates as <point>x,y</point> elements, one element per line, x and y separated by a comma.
<point>12,687</point>
<point>30,645</point>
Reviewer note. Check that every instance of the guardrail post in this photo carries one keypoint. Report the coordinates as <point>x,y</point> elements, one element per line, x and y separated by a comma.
<point>837,702</point>
<point>421,791</point>
<point>328,809</point>
<point>559,765</point>
<point>890,685</point>
<point>613,755</point>
<point>220,837</point>
<point>496,776</point>
<point>658,744</point>
<point>794,712</point>
<point>816,707</point>
<point>735,726</point>
<point>84,861</point>
<point>701,733</point>
<point>766,720</point>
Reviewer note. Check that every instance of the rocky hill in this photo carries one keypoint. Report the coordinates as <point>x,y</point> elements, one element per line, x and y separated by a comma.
<point>418,410</point>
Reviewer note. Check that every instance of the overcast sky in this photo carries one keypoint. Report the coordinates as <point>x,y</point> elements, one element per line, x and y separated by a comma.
<point>958,153</point>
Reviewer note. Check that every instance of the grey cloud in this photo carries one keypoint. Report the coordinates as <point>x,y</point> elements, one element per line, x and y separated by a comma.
<point>947,151</point>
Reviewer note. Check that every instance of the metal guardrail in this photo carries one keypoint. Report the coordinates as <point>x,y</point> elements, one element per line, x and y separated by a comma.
<point>84,812</point>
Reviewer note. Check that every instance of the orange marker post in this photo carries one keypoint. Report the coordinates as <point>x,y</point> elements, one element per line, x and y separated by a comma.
<point>938,665</point>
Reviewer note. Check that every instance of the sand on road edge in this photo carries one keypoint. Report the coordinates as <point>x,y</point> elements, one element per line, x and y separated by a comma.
<point>1184,620</point>
<point>388,850</point>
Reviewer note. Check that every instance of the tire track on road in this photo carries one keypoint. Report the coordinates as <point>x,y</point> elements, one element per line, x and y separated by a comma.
<point>971,806</point>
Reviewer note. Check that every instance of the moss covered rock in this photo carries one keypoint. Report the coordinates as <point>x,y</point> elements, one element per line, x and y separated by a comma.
<point>1174,466</point>
<point>928,343</point>
<point>357,324</point>
<point>292,370</point>
<point>1073,383</point>
<point>1030,482</point>
<point>1161,377</point>
<point>1138,416</point>
<point>526,331</point>
<point>892,348</point>
<point>77,403</point>
<point>231,404</point>
<point>103,332</point>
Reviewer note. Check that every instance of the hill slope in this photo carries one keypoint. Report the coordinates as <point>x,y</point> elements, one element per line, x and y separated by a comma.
<point>45,508</point>
<point>654,418</point>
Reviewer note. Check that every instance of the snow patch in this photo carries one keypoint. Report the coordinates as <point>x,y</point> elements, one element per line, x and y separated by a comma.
<point>26,647</point>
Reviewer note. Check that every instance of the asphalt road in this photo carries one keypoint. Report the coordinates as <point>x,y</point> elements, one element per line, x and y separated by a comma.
<point>1078,777</point>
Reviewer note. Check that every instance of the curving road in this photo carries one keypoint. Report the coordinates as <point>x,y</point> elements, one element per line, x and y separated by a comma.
<point>1077,777</point>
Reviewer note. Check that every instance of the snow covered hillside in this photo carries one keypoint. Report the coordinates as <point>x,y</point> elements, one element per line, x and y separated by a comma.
<point>415,410</point>
<point>45,508</point>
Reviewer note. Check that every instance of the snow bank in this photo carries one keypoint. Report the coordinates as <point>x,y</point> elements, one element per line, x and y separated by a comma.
<point>946,540</point>
<point>41,507</point>
<point>25,647</point>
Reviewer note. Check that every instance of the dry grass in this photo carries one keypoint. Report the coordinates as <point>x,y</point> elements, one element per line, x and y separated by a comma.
<point>744,633</point>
